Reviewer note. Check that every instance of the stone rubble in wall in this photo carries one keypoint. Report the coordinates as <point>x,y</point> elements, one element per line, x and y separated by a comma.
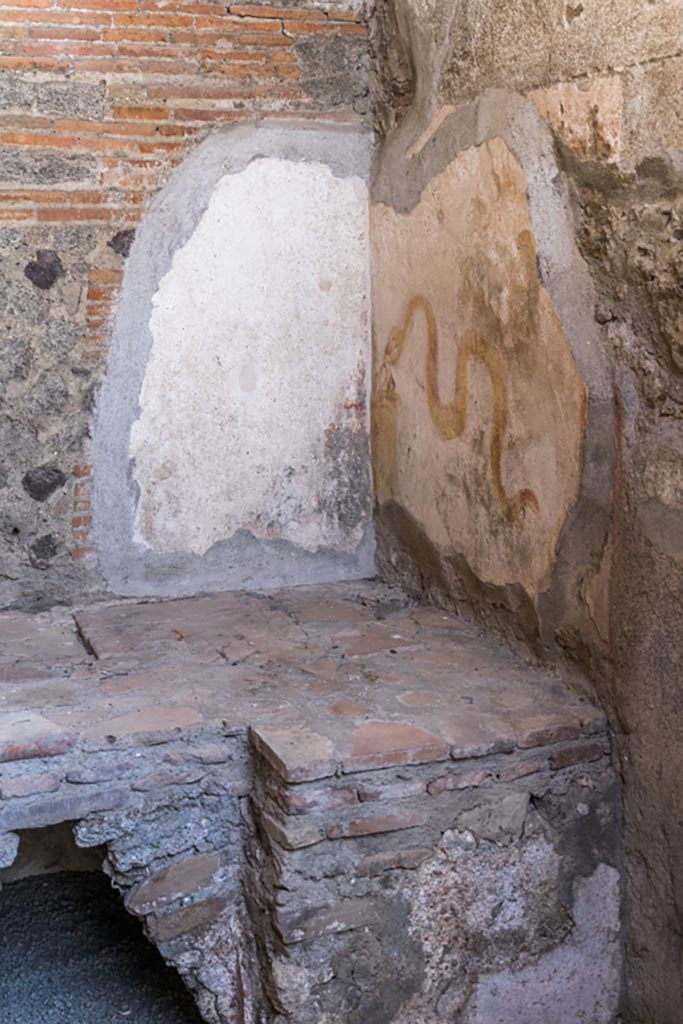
<point>325,896</point>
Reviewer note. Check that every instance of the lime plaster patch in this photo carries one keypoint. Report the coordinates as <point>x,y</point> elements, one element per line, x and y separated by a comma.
<point>259,336</point>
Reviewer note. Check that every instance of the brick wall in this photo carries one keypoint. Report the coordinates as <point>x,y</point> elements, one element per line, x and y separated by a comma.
<point>100,100</point>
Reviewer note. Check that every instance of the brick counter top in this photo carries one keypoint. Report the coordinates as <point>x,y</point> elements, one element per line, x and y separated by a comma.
<point>329,679</point>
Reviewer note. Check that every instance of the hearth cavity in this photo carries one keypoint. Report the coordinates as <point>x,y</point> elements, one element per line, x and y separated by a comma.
<point>70,952</point>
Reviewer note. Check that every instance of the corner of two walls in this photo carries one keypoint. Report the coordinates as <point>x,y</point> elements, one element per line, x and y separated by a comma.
<point>202,467</point>
<point>230,431</point>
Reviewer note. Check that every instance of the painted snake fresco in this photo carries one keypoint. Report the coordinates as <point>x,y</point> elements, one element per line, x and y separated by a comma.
<point>449,418</point>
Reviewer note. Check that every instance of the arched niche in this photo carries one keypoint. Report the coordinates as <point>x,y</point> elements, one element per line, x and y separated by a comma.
<point>230,440</point>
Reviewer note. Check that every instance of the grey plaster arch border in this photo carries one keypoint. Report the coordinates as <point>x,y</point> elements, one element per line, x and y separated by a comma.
<point>407,162</point>
<point>128,568</point>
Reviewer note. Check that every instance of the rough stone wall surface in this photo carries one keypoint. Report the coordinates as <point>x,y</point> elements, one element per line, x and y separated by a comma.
<point>601,84</point>
<point>283,893</point>
<point>101,100</point>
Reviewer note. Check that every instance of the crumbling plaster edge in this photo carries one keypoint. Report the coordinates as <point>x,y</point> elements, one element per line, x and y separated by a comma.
<point>128,569</point>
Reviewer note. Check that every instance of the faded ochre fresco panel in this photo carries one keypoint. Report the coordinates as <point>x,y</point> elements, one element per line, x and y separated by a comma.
<point>478,406</point>
<point>252,409</point>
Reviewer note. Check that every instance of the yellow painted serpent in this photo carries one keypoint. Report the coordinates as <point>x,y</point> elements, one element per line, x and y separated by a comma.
<point>448,418</point>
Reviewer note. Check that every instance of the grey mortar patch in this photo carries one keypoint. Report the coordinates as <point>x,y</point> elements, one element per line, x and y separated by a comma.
<point>333,71</point>
<point>43,167</point>
<point>242,560</point>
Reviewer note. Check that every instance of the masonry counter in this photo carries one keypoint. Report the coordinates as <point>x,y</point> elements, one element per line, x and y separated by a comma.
<point>326,803</point>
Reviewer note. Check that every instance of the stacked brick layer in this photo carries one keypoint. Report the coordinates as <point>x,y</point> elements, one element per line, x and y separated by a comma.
<point>102,97</point>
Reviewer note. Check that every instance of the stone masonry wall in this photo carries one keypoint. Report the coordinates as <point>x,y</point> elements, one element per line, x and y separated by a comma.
<point>428,882</point>
<point>101,99</point>
<point>596,87</point>
<point>397,893</point>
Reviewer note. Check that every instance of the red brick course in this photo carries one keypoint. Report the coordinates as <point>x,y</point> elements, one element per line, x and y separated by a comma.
<point>146,49</point>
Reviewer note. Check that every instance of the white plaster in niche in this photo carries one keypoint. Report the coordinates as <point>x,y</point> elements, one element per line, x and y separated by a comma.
<point>254,391</point>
